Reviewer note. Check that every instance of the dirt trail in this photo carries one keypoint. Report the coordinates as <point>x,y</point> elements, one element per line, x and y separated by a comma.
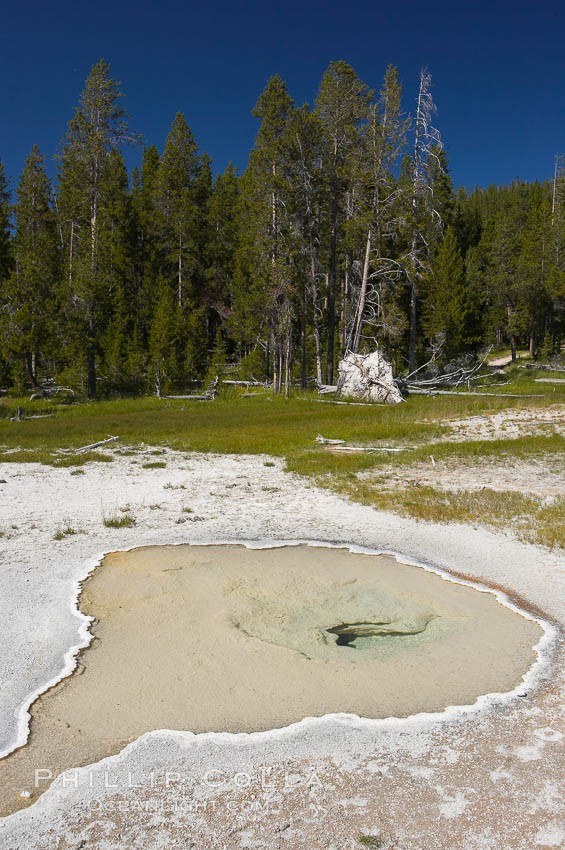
<point>504,361</point>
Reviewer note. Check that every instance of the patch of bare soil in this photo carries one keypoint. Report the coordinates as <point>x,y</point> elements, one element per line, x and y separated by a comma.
<point>542,478</point>
<point>509,424</point>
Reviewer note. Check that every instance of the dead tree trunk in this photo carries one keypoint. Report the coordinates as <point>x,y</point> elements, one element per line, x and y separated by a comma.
<point>426,137</point>
<point>30,367</point>
<point>179,284</point>
<point>315,320</point>
<point>267,361</point>
<point>332,273</point>
<point>362,296</point>
<point>91,370</point>
<point>304,307</point>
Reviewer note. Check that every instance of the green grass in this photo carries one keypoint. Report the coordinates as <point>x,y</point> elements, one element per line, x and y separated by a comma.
<point>61,533</point>
<point>288,429</point>
<point>80,460</point>
<point>324,462</point>
<point>157,464</point>
<point>275,427</point>
<point>51,458</point>
<point>528,517</point>
<point>116,521</point>
<point>279,427</point>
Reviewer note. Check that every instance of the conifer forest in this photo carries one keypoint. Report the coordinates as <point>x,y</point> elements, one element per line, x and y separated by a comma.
<point>344,233</point>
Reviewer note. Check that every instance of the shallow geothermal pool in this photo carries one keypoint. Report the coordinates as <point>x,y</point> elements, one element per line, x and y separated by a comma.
<point>226,638</point>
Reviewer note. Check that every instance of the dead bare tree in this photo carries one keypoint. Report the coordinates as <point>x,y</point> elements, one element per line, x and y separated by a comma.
<point>47,389</point>
<point>462,372</point>
<point>427,141</point>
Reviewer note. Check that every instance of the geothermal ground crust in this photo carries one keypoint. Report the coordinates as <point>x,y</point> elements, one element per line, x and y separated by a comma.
<point>226,638</point>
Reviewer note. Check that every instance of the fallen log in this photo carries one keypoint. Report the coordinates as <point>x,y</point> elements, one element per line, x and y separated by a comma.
<point>247,383</point>
<point>23,418</point>
<point>209,395</point>
<point>324,441</point>
<point>497,385</point>
<point>187,397</point>
<point>478,395</point>
<point>92,445</point>
<point>347,403</point>
<point>546,367</point>
<point>49,390</point>
<point>369,449</point>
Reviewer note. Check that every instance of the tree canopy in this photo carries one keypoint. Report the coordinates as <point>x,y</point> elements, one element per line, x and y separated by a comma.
<point>344,232</point>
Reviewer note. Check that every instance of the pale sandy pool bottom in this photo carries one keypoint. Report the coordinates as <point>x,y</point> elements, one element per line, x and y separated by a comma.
<point>231,639</point>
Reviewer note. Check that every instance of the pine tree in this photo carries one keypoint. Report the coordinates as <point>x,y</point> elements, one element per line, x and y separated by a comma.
<point>441,184</point>
<point>148,249</point>
<point>29,292</point>
<point>443,315</point>
<point>216,368</point>
<point>305,199</point>
<point>163,342</point>
<point>221,248</point>
<point>178,207</point>
<point>201,338</point>
<point>533,269</point>
<point>506,308</point>
<point>182,190</point>
<point>467,222</point>
<point>326,242</point>
<point>248,321</point>
<point>5,247</point>
<point>475,308</point>
<point>262,292</point>
<point>116,264</point>
<point>98,127</point>
<point>342,105</point>
<point>5,260</point>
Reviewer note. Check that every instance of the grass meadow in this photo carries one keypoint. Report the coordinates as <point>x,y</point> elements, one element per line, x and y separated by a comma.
<point>287,428</point>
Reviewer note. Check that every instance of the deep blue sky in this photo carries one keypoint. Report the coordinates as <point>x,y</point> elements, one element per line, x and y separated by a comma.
<point>498,70</point>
